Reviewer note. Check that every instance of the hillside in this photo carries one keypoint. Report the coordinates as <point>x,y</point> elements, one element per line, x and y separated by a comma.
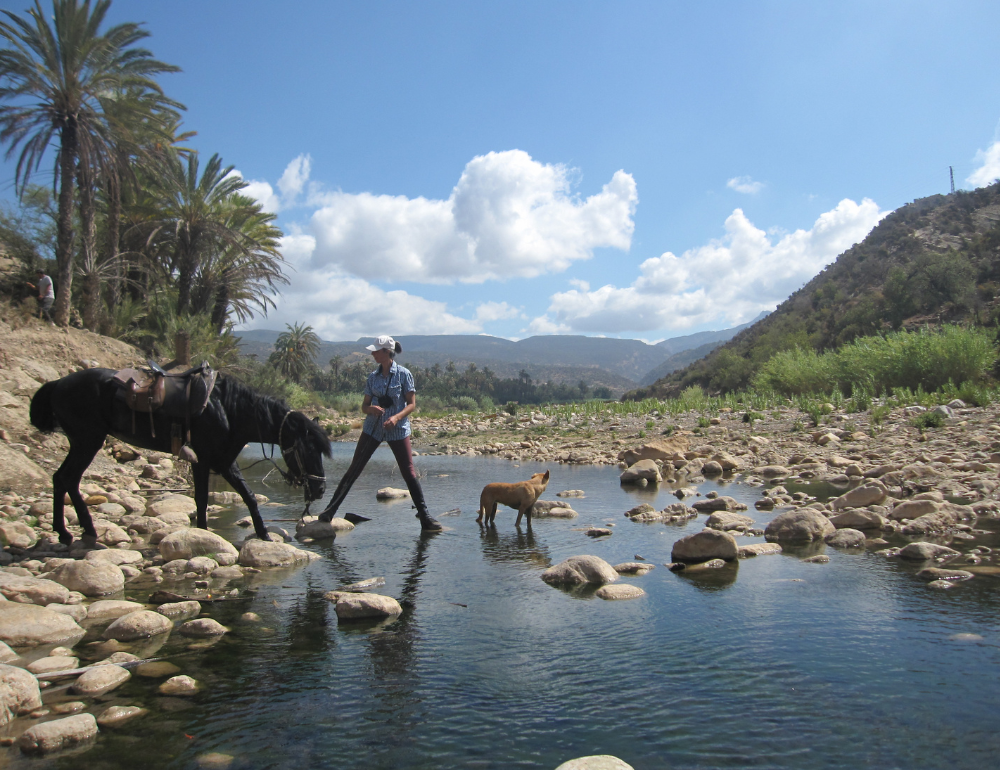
<point>932,261</point>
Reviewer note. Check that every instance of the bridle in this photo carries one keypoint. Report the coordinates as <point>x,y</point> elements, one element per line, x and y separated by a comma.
<point>295,450</point>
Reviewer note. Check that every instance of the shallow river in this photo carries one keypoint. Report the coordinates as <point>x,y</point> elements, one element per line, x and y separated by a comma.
<point>769,663</point>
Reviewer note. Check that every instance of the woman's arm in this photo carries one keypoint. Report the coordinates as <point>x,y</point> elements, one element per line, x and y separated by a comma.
<point>411,404</point>
<point>367,408</point>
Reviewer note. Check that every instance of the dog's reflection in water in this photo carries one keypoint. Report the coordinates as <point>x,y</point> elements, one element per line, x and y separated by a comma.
<point>515,546</point>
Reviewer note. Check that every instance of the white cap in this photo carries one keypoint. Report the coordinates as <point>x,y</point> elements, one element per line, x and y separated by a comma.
<point>383,342</point>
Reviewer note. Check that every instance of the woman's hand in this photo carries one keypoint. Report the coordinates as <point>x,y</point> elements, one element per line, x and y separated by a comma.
<point>376,410</point>
<point>390,422</point>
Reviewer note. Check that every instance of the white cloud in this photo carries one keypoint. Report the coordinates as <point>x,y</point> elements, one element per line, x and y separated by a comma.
<point>579,284</point>
<point>989,169</point>
<point>264,195</point>
<point>744,184</point>
<point>294,179</point>
<point>729,280</point>
<point>496,311</point>
<point>508,216</point>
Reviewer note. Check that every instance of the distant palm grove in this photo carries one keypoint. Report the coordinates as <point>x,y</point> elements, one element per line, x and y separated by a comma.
<point>142,236</point>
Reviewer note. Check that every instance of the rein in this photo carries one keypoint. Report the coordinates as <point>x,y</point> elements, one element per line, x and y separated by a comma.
<point>296,451</point>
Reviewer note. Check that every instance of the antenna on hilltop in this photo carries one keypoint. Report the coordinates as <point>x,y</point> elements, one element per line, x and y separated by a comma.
<point>952,172</point>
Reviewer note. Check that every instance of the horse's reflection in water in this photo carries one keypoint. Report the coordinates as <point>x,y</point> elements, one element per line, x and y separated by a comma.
<point>518,546</point>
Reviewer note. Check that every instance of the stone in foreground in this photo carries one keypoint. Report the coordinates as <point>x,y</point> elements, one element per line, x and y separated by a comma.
<point>203,627</point>
<point>26,625</point>
<point>351,606</point>
<point>580,570</point>
<point>265,553</point>
<point>138,625</point>
<point>58,734</point>
<point>116,716</point>
<point>619,591</point>
<point>179,685</point>
<point>704,546</point>
<point>801,526</point>
<point>99,680</point>
<point>19,693</point>
<point>595,762</point>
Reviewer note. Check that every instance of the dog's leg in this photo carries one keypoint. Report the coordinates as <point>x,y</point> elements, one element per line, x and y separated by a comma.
<point>520,513</point>
<point>491,518</point>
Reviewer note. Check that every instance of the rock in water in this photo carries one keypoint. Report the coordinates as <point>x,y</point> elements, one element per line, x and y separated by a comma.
<point>350,606</point>
<point>25,625</point>
<point>595,762</point>
<point>58,734</point>
<point>99,680</point>
<point>580,570</point>
<point>704,546</point>
<point>801,526</point>
<point>619,591</point>
<point>19,693</point>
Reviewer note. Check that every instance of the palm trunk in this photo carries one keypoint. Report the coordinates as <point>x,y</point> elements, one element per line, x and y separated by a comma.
<point>64,231</point>
<point>221,308</point>
<point>91,277</point>
<point>114,234</point>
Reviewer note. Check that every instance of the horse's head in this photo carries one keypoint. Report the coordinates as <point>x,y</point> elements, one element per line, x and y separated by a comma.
<point>303,445</point>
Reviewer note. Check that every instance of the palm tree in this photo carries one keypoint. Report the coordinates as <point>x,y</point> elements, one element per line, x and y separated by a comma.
<point>52,80</point>
<point>295,351</point>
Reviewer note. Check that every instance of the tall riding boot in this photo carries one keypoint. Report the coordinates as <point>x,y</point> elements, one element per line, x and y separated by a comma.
<point>427,522</point>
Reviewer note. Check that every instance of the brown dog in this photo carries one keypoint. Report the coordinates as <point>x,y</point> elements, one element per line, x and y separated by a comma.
<point>521,495</point>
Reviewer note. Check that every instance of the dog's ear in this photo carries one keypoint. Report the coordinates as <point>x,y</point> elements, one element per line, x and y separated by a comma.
<point>546,476</point>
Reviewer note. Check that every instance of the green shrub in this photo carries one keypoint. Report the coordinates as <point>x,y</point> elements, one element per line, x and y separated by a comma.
<point>703,422</point>
<point>927,420</point>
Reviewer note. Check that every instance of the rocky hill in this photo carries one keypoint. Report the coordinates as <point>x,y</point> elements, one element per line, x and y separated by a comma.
<point>934,260</point>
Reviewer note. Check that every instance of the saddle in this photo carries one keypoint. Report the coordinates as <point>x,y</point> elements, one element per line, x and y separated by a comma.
<point>178,396</point>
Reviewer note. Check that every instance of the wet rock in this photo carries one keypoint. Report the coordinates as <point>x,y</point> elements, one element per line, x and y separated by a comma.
<point>571,493</point>
<point>704,546</point>
<point>643,469</point>
<point>392,493</point>
<point>116,556</point>
<point>764,504</point>
<point>846,538</point>
<point>203,627</point>
<point>941,584</point>
<point>180,610</point>
<point>99,680</point>
<point>758,549</point>
<point>665,449</point>
<point>725,521</point>
<point>227,573</point>
<point>711,468</point>
<point>720,503</point>
<point>91,578</point>
<point>215,760</point>
<point>595,762</point>
<point>261,553</point>
<point>116,716</point>
<point>937,573</point>
<point>201,565</point>
<point>19,693</point>
<point>556,512</point>
<point>800,526</point>
<point>711,564</point>
<point>58,734</point>
<point>17,534</point>
<point>580,570</point>
<point>179,686</point>
<point>820,558</point>
<point>32,590</point>
<point>53,663</point>
<point>322,530</point>
<point>870,493</point>
<point>173,504</point>
<point>27,625</point>
<point>598,532</point>
<point>352,606</point>
<point>619,591</point>
<point>188,543</point>
<point>109,609</point>
<point>6,653</point>
<point>138,625</point>
<point>912,509</point>
<point>858,518</point>
<point>925,551</point>
<point>643,512</point>
<point>636,568</point>
<point>772,471</point>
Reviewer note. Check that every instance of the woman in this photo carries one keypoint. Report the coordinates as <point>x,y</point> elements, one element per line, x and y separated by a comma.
<point>389,399</point>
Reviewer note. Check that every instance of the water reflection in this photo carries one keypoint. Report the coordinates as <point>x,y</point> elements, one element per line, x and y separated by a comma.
<point>716,579</point>
<point>519,546</point>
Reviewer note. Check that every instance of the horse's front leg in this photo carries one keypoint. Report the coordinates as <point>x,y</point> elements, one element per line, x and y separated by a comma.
<point>200,473</point>
<point>236,481</point>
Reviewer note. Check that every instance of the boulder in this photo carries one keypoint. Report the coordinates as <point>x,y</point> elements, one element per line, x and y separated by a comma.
<point>595,762</point>
<point>98,680</point>
<point>109,609</point>
<point>725,521</point>
<point>116,556</point>
<point>203,627</point>
<point>870,493</point>
<point>913,509</point>
<point>846,538</point>
<point>172,504</point>
<point>322,530</point>
<point>179,685</point>
<point>58,734</point>
<point>19,693</point>
<point>704,546</point>
<point>800,526</point>
<point>110,534</point>
<point>264,553</point>
<point>116,716</point>
<point>619,591</point>
<point>17,534</point>
<point>138,625</point>
<point>53,663</point>
<point>772,471</point>
<point>663,449</point>
<point>351,606</point>
<point>26,625</point>
<point>726,461</point>
<point>180,610</point>
<point>858,518</point>
<point>936,573</point>
<point>90,578</point>
<point>925,551</point>
<point>31,590</point>
<point>711,468</point>
<point>392,493</point>
<point>758,549</point>
<point>189,542</point>
<point>643,469</point>
<point>637,568</point>
<point>720,503</point>
<point>580,570</point>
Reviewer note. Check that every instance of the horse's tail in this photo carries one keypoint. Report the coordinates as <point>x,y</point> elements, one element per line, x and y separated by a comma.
<point>42,416</point>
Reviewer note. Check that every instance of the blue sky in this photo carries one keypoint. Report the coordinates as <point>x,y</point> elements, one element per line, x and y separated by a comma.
<point>629,169</point>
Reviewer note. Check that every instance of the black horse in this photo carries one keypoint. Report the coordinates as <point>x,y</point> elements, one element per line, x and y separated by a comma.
<point>83,405</point>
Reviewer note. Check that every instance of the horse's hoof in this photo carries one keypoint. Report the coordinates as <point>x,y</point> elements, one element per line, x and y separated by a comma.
<point>266,536</point>
<point>326,516</point>
<point>65,538</point>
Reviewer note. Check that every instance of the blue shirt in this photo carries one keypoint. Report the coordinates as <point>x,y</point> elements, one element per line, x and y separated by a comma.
<point>396,386</point>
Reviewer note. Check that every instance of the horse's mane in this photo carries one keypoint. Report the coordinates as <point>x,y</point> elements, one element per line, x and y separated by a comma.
<point>238,398</point>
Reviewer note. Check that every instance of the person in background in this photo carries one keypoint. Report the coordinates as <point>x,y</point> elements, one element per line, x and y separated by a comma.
<point>389,398</point>
<point>46,294</point>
